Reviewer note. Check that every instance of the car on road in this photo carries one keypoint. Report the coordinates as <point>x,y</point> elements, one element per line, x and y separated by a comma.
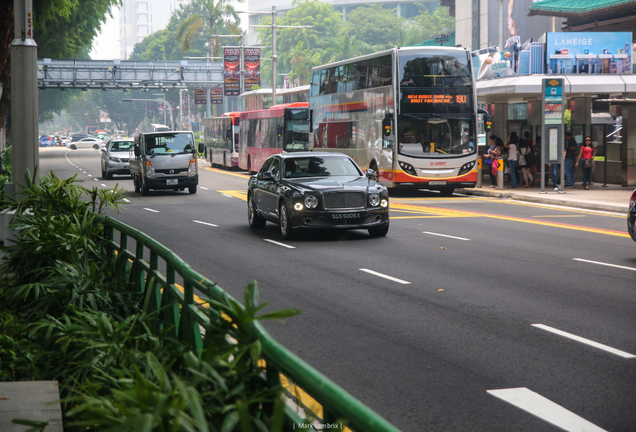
<point>116,157</point>
<point>95,143</point>
<point>316,190</point>
<point>46,141</point>
<point>631,216</point>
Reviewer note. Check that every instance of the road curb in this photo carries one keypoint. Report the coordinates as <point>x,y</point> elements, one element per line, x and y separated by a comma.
<point>547,200</point>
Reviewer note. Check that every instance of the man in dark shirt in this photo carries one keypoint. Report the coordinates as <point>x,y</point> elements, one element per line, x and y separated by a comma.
<point>570,156</point>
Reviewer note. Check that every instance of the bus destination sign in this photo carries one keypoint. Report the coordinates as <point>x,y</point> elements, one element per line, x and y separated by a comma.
<point>436,99</point>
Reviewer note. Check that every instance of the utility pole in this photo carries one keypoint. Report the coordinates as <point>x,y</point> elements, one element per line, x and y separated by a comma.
<point>24,91</point>
<point>273,26</point>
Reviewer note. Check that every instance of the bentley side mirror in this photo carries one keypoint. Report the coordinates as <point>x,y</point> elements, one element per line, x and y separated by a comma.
<point>267,176</point>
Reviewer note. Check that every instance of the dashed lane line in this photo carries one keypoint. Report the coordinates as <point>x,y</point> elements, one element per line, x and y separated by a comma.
<point>205,223</point>
<point>585,341</point>
<point>545,409</point>
<point>151,210</point>
<point>445,235</point>
<point>604,264</point>
<point>280,244</point>
<point>382,275</point>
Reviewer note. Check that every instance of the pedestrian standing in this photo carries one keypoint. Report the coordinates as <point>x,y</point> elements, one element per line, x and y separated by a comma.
<point>493,153</point>
<point>570,156</point>
<point>511,145</point>
<point>525,149</point>
<point>587,154</point>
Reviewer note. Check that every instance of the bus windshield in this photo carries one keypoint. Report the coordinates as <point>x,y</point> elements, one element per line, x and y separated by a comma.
<point>297,129</point>
<point>435,68</point>
<point>422,137</point>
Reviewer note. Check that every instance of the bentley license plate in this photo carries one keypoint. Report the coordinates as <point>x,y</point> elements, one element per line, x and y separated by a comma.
<point>172,182</point>
<point>437,182</point>
<point>345,216</point>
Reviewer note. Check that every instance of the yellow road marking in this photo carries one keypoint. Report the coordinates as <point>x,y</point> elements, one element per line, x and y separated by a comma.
<point>241,194</point>
<point>549,216</point>
<point>245,176</point>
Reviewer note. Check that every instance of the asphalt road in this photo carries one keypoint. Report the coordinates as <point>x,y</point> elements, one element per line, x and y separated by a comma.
<point>472,314</point>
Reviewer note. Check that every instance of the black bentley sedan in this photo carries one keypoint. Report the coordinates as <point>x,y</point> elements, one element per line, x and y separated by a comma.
<point>316,190</point>
<point>631,216</point>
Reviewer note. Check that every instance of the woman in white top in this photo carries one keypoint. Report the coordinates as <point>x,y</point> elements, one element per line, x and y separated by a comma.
<point>513,148</point>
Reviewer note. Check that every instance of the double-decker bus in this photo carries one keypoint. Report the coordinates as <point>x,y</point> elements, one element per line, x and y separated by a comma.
<point>410,114</point>
<point>221,137</point>
<point>263,133</point>
<point>262,98</point>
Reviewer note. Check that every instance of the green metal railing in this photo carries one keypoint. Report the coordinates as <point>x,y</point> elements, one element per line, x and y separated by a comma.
<point>184,316</point>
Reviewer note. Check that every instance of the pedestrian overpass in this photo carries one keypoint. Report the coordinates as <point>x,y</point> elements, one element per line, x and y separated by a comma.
<point>126,74</point>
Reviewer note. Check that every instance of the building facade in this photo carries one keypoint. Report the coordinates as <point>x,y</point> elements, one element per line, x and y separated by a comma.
<point>140,18</point>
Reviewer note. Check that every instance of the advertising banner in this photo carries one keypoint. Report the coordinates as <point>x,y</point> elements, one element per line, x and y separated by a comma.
<point>252,66</point>
<point>199,97</point>
<point>589,53</point>
<point>216,94</point>
<point>231,70</point>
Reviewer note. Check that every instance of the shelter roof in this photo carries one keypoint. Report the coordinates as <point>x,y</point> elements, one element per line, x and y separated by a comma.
<point>581,10</point>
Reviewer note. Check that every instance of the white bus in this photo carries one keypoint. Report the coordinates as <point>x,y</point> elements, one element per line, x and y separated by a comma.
<point>221,137</point>
<point>407,113</point>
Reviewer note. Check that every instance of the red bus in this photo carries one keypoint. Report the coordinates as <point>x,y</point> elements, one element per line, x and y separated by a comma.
<point>263,133</point>
<point>221,137</point>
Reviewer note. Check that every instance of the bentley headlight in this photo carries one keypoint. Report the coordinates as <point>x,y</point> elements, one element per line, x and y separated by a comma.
<point>384,203</point>
<point>311,201</point>
<point>374,199</point>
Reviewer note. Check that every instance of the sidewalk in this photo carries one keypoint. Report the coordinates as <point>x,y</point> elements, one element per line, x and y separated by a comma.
<point>613,198</point>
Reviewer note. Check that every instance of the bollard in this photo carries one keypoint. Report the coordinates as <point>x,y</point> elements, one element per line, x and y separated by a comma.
<point>479,173</point>
<point>500,174</point>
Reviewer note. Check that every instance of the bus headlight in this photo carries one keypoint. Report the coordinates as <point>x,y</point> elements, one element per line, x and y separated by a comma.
<point>311,201</point>
<point>374,199</point>
<point>467,167</point>
<point>407,168</point>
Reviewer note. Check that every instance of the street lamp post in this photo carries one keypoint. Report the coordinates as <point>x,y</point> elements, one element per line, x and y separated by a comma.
<point>156,100</point>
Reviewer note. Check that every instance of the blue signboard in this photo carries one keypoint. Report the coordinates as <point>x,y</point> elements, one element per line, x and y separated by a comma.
<point>589,53</point>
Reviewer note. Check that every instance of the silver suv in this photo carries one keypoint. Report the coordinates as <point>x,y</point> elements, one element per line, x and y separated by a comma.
<point>115,157</point>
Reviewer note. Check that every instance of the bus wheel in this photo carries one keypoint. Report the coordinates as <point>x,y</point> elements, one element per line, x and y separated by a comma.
<point>447,191</point>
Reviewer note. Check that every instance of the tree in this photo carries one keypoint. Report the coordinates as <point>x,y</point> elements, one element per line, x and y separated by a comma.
<point>213,18</point>
<point>325,22</point>
<point>61,28</point>
<point>374,25</point>
<point>438,22</point>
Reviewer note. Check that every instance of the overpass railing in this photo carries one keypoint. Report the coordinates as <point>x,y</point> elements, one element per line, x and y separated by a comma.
<point>314,392</point>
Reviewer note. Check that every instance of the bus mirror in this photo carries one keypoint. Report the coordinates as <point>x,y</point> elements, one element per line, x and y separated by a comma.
<point>279,131</point>
<point>137,151</point>
<point>311,121</point>
<point>386,125</point>
<point>200,147</point>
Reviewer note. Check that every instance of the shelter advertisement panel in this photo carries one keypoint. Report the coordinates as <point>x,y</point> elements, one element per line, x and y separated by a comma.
<point>252,66</point>
<point>216,94</point>
<point>589,53</point>
<point>231,71</point>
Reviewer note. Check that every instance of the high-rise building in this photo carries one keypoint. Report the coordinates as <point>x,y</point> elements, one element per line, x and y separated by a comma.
<point>140,18</point>
<point>537,58</point>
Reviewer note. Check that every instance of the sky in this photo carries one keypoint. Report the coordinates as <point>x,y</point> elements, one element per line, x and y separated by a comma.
<point>106,44</point>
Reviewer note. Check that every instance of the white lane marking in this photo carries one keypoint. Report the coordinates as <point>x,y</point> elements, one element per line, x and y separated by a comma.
<point>96,179</point>
<point>585,341</point>
<point>205,223</point>
<point>403,282</point>
<point>545,409</point>
<point>279,243</point>
<point>605,264</point>
<point>90,175</point>
<point>204,188</point>
<point>151,210</point>
<point>444,235</point>
<point>229,196</point>
<point>103,185</point>
<point>126,199</point>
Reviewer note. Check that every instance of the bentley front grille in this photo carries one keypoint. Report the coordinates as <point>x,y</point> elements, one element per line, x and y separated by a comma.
<point>344,200</point>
